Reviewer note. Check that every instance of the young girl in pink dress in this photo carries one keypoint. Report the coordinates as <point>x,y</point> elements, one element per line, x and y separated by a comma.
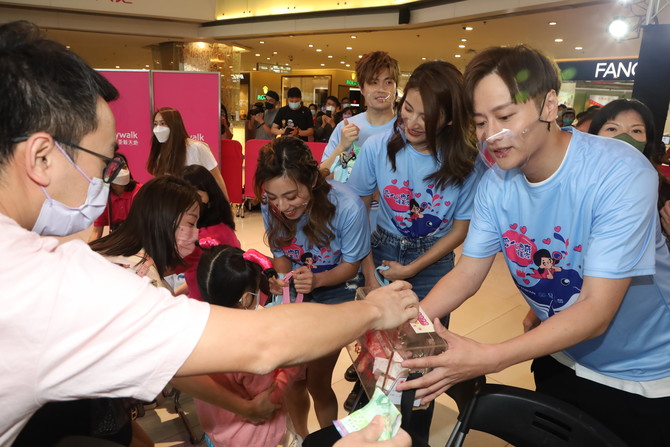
<point>228,276</point>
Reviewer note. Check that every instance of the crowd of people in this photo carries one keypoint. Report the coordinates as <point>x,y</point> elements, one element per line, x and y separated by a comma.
<point>485,159</point>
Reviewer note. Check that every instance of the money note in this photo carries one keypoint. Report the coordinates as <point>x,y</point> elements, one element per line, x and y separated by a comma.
<point>379,405</point>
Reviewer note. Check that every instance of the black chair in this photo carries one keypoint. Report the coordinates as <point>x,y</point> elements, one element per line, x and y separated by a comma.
<point>524,418</point>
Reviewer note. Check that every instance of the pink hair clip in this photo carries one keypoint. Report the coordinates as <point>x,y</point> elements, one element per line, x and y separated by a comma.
<point>208,242</point>
<point>257,257</point>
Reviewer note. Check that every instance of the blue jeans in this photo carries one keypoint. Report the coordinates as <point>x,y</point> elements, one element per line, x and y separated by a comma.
<point>340,293</point>
<point>391,247</point>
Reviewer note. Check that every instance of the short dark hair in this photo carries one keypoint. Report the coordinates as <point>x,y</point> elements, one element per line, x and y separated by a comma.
<point>45,88</point>
<point>152,223</point>
<point>294,92</point>
<point>218,209</point>
<point>224,276</point>
<point>272,94</point>
<point>371,64</point>
<point>527,73</point>
<point>335,100</point>
<point>654,149</point>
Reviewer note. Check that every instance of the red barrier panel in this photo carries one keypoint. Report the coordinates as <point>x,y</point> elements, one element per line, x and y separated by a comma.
<point>231,169</point>
<point>251,151</point>
<point>317,150</point>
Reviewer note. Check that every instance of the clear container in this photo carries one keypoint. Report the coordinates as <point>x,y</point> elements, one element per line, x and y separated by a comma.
<point>377,355</point>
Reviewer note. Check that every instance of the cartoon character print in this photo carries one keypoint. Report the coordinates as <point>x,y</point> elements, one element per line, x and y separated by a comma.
<point>555,288</point>
<point>317,259</point>
<point>411,217</point>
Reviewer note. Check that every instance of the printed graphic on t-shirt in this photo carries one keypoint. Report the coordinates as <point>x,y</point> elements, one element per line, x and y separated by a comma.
<point>317,259</point>
<point>545,277</point>
<point>414,211</point>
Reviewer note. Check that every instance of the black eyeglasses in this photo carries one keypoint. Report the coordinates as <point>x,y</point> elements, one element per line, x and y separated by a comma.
<point>112,165</point>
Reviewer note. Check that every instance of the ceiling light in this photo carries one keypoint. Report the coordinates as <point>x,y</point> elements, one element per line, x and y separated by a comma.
<point>579,48</point>
<point>353,37</point>
<point>318,50</point>
<point>258,54</point>
<point>261,42</point>
<point>201,45</point>
<point>618,28</point>
<point>423,58</point>
<point>118,66</point>
<point>347,65</point>
<point>558,40</point>
<point>552,23</point>
<point>274,52</point>
<point>457,55</point>
<point>360,56</point>
<point>464,40</point>
<point>341,62</point>
<point>310,45</point>
<point>349,48</point>
<point>267,58</point>
<point>286,65</point>
<point>146,66</point>
<point>468,28</point>
<point>461,46</point>
<point>323,65</point>
<point>330,57</point>
<point>67,46</point>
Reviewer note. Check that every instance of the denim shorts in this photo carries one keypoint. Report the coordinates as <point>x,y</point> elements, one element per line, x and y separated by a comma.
<point>391,247</point>
<point>340,293</point>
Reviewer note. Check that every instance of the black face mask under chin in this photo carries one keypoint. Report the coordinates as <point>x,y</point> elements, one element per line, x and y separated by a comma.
<point>539,118</point>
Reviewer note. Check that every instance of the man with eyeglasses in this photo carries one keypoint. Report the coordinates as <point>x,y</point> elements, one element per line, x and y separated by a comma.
<point>74,325</point>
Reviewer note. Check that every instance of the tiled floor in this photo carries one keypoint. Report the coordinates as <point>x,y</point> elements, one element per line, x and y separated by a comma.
<point>493,314</point>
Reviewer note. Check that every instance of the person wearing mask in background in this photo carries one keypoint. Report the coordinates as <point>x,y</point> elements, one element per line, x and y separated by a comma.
<point>377,74</point>
<point>313,109</point>
<point>325,121</point>
<point>71,334</point>
<point>122,192</point>
<point>226,131</point>
<point>172,149</point>
<point>346,102</point>
<point>584,118</point>
<point>261,123</point>
<point>294,119</point>
<point>567,117</point>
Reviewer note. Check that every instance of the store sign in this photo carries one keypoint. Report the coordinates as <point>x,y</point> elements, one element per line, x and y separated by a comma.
<point>283,69</point>
<point>260,97</point>
<point>351,82</point>
<point>598,70</point>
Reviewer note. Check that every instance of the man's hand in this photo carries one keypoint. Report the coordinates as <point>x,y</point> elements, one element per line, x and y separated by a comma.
<point>396,304</point>
<point>348,134</point>
<point>259,118</point>
<point>367,437</point>
<point>261,408</point>
<point>304,280</point>
<point>463,360</point>
<point>277,286</point>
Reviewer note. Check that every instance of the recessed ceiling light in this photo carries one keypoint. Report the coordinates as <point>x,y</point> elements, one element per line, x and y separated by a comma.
<point>347,65</point>
<point>349,48</point>
<point>310,45</point>
<point>461,46</point>
<point>318,50</point>
<point>341,62</point>
<point>118,66</point>
<point>457,55</point>
<point>267,58</point>
<point>464,40</point>
<point>146,66</point>
<point>286,65</point>
<point>353,37</point>
<point>579,48</point>
<point>552,23</point>
<point>230,66</point>
<point>261,42</point>
<point>558,40</point>
<point>468,28</point>
<point>254,69</point>
<point>330,57</point>
<point>360,56</point>
<point>323,65</point>
<point>68,47</point>
<point>258,54</point>
<point>423,58</point>
<point>274,52</point>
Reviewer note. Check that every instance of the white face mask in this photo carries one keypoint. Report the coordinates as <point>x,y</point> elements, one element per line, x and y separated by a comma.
<point>57,219</point>
<point>162,133</point>
<point>330,108</point>
<point>294,105</point>
<point>122,178</point>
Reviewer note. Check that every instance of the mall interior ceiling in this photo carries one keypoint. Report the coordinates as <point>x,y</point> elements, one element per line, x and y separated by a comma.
<point>564,30</point>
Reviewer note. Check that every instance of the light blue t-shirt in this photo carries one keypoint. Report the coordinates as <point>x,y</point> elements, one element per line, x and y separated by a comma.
<point>409,205</point>
<point>350,226</point>
<point>366,130</point>
<point>596,216</point>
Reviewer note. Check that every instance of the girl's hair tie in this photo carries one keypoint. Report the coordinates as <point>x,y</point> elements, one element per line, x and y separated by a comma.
<point>252,255</point>
<point>207,242</point>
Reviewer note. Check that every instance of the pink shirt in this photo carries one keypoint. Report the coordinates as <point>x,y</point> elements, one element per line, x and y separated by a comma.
<point>120,207</point>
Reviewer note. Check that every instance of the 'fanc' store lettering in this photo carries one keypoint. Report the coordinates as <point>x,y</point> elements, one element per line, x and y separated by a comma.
<point>598,70</point>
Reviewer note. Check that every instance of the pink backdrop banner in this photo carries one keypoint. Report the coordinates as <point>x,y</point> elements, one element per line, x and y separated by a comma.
<point>196,96</point>
<point>132,112</point>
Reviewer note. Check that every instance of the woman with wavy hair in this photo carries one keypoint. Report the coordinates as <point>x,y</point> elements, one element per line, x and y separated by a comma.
<point>172,149</point>
<point>424,170</point>
<point>318,231</point>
